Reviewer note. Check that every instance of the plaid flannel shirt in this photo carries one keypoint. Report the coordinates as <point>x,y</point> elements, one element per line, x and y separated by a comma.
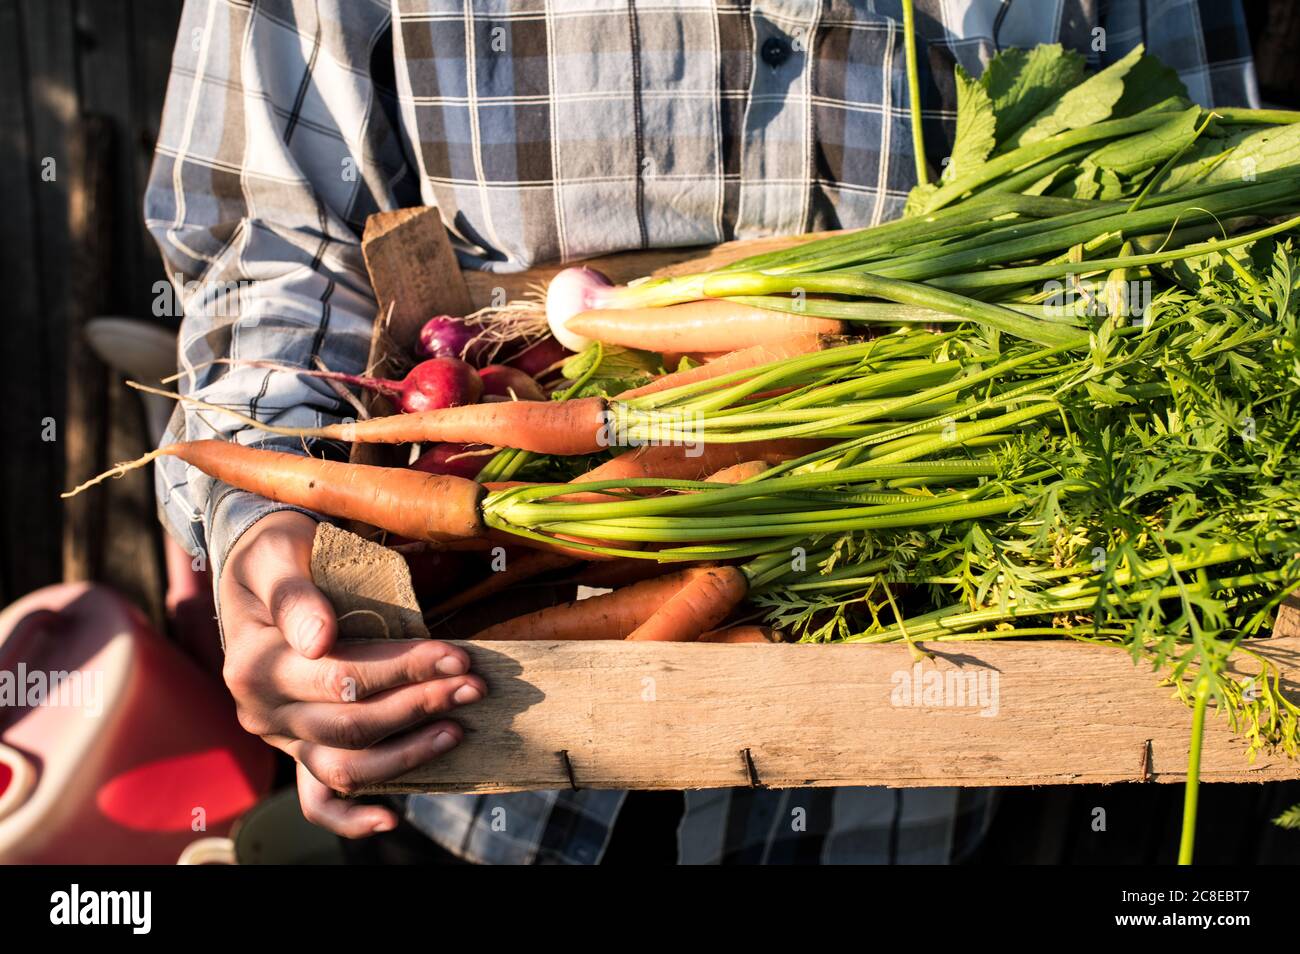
<point>559,130</point>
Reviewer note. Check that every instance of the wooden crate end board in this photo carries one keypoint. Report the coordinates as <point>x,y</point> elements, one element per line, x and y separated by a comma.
<point>413,270</point>
<point>368,585</point>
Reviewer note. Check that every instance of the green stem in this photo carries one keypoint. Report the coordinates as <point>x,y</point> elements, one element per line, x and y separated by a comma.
<point>1192,788</point>
<point>914,92</point>
<point>867,285</point>
<point>1034,273</point>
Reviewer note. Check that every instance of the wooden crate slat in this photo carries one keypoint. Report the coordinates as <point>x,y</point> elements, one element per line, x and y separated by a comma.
<point>684,715</point>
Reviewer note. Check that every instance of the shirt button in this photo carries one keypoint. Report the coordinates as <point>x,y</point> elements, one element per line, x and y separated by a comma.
<point>775,51</point>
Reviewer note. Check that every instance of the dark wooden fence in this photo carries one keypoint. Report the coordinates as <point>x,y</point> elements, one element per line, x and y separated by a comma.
<point>62,61</point>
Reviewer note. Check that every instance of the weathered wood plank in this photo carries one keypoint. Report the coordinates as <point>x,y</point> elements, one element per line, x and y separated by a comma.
<point>19,263</point>
<point>104,67</point>
<point>152,30</point>
<point>673,716</point>
<point>90,229</point>
<point>122,64</point>
<point>37,52</point>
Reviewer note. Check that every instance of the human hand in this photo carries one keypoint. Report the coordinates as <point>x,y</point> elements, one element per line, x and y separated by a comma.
<point>349,715</point>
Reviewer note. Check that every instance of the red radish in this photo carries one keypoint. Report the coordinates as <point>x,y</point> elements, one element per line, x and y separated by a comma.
<point>453,460</point>
<point>540,357</point>
<point>429,386</point>
<point>571,292</point>
<point>446,337</point>
<point>510,383</point>
<point>438,383</point>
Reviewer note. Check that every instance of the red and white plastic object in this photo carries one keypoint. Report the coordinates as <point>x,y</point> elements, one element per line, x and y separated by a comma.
<point>134,754</point>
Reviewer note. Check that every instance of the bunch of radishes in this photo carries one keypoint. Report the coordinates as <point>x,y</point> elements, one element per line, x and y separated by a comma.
<point>458,367</point>
<point>447,376</point>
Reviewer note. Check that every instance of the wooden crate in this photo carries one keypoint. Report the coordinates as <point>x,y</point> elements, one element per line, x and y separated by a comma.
<point>670,716</point>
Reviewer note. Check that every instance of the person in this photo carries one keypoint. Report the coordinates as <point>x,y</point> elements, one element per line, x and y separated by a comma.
<point>541,131</point>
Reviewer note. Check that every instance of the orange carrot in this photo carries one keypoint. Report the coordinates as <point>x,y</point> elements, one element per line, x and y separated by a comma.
<point>740,634</point>
<point>788,347</point>
<point>563,428</point>
<point>409,503</point>
<point>520,567</point>
<point>706,597</point>
<point>611,616</point>
<point>696,462</point>
<point>710,325</point>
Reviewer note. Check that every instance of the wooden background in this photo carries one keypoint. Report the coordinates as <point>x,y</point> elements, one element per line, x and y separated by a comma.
<point>62,60</point>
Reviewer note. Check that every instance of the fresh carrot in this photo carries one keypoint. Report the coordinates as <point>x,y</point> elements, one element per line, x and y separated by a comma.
<point>790,346</point>
<point>562,428</point>
<point>740,634</point>
<point>706,597</point>
<point>611,616</point>
<point>680,462</point>
<point>520,566</point>
<point>409,503</point>
<point>710,325</point>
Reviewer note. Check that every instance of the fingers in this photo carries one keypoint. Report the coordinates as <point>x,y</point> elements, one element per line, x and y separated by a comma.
<point>346,771</point>
<point>322,807</point>
<point>355,725</point>
<point>359,670</point>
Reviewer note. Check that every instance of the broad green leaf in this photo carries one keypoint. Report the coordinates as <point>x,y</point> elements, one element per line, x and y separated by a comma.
<point>1094,182</point>
<point>1092,101</point>
<point>1022,83</point>
<point>617,369</point>
<point>1239,158</point>
<point>1150,84</point>
<point>918,200</point>
<point>1087,183</point>
<point>1112,187</point>
<point>975,125</point>
<point>1050,181</point>
<point>1147,150</point>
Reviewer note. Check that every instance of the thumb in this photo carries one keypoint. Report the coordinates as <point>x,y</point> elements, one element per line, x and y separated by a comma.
<point>276,568</point>
<point>302,613</point>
